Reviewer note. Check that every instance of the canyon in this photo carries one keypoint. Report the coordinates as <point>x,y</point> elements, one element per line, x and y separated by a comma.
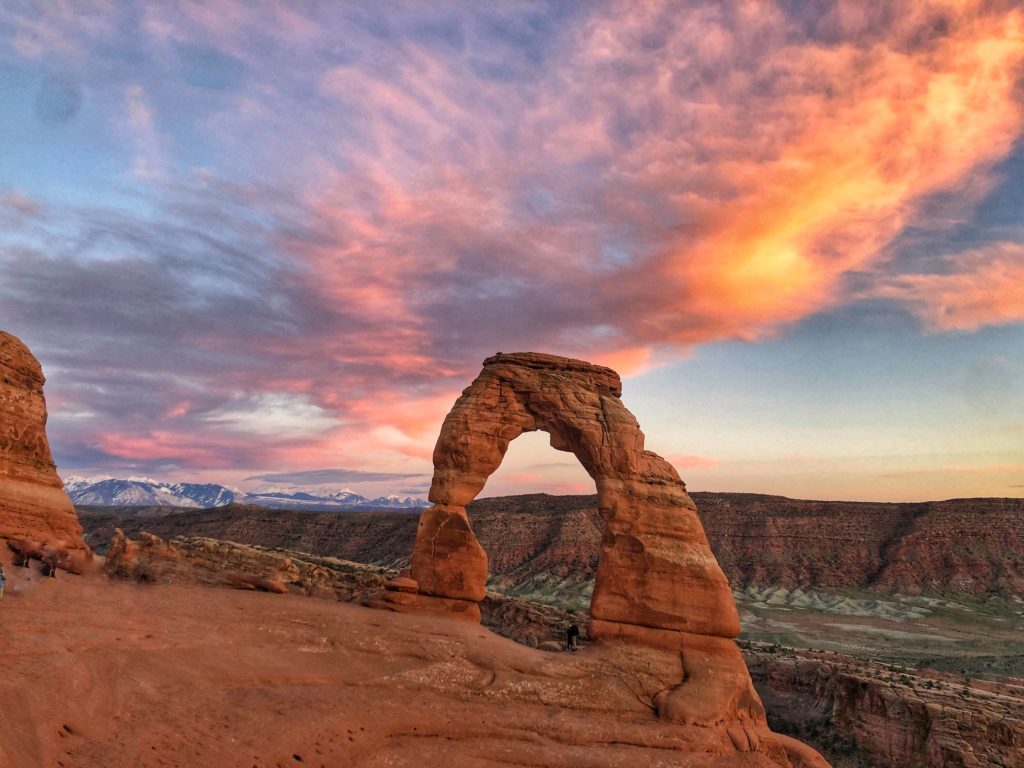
<point>853,615</point>
<point>546,546</point>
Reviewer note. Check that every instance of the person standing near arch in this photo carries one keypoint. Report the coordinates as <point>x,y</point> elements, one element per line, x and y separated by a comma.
<point>572,635</point>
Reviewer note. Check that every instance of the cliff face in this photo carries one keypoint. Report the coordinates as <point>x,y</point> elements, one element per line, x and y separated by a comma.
<point>547,545</point>
<point>972,546</point>
<point>891,716</point>
<point>33,504</point>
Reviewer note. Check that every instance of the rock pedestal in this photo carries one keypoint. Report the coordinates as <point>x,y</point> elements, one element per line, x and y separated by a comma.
<point>33,505</point>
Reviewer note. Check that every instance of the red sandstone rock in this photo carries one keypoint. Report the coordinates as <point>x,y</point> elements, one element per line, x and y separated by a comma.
<point>402,584</point>
<point>105,673</point>
<point>33,504</point>
<point>199,560</point>
<point>656,568</point>
<point>895,716</point>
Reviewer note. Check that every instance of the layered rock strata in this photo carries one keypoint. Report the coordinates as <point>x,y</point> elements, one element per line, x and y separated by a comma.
<point>655,566</point>
<point>546,547</point>
<point>657,586</point>
<point>893,717</point>
<point>33,505</point>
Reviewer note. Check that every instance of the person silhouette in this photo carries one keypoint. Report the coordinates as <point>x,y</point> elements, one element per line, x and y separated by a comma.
<point>571,636</point>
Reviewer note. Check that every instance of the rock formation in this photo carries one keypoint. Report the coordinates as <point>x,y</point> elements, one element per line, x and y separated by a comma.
<point>218,563</point>
<point>33,505</point>
<point>211,562</point>
<point>658,585</point>
<point>895,717</point>
<point>655,569</point>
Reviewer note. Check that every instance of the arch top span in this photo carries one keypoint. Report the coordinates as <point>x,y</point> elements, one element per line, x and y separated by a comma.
<point>655,566</point>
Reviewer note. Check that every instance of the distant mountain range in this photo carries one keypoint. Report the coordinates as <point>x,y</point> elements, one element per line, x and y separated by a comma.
<point>144,491</point>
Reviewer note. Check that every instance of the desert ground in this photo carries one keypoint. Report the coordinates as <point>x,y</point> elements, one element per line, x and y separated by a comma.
<point>99,672</point>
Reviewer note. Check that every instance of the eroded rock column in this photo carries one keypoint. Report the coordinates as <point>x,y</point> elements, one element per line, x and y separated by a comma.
<point>33,505</point>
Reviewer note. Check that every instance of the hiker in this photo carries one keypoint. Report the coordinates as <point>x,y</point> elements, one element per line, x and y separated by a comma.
<point>51,560</point>
<point>571,636</point>
<point>2,581</point>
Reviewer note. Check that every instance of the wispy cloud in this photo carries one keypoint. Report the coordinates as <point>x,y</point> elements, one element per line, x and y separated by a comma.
<point>981,286</point>
<point>327,476</point>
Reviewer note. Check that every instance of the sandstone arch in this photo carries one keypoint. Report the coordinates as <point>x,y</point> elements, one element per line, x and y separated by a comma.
<point>655,570</point>
<point>660,599</point>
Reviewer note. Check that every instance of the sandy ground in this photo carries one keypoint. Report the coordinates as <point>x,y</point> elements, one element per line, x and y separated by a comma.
<point>100,673</point>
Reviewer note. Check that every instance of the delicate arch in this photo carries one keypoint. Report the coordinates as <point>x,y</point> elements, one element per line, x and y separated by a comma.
<point>655,567</point>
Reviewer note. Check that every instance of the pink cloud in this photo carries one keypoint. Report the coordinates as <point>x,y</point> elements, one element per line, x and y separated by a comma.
<point>684,462</point>
<point>794,164</point>
<point>987,288</point>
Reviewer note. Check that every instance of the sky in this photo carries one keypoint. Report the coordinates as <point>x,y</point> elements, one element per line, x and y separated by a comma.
<point>272,242</point>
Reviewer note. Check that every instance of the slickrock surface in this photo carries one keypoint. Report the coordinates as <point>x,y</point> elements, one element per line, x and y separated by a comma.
<point>213,562</point>
<point>117,674</point>
<point>33,505</point>
<point>890,715</point>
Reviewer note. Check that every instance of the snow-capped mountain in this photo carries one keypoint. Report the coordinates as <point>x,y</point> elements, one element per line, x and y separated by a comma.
<point>319,494</point>
<point>397,502</point>
<point>144,491</point>
<point>326,497</point>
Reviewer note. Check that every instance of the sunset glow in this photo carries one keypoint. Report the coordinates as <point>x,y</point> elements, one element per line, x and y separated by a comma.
<point>247,238</point>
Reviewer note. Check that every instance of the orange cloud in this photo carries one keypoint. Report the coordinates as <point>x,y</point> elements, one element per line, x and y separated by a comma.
<point>742,196</point>
<point>986,289</point>
<point>817,177</point>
